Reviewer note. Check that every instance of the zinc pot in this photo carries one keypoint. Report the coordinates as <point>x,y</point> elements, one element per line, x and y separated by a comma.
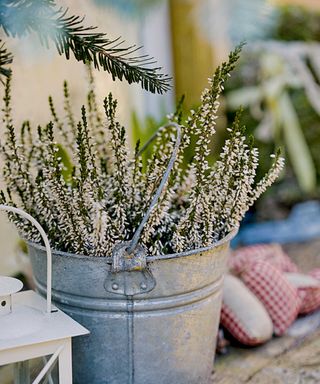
<point>156,324</point>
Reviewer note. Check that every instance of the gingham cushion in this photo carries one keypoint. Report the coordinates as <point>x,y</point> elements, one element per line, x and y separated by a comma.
<point>308,289</point>
<point>279,297</point>
<point>315,273</point>
<point>243,315</point>
<point>273,253</point>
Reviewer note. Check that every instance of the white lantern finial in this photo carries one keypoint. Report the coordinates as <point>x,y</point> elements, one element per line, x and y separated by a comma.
<point>8,286</point>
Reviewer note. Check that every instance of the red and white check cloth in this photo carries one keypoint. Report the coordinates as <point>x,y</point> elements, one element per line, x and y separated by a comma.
<point>310,296</point>
<point>250,327</point>
<point>232,323</point>
<point>279,297</point>
<point>315,273</point>
<point>273,253</point>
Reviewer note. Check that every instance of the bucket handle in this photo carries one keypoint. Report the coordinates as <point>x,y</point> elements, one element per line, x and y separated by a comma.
<point>129,256</point>
<point>136,236</point>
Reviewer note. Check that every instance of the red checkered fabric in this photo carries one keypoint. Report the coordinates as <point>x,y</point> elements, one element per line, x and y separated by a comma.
<point>232,323</point>
<point>273,253</point>
<point>279,297</point>
<point>315,273</point>
<point>311,298</point>
<point>242,314</point>
<point>308,289</point>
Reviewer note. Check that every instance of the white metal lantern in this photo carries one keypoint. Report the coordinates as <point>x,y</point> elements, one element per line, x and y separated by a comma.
<point>31,327</point>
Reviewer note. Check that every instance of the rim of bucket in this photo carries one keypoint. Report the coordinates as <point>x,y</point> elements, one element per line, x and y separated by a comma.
<point>108,259</point>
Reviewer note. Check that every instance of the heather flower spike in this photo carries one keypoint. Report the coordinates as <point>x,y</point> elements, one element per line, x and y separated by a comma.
<point>78,177</point>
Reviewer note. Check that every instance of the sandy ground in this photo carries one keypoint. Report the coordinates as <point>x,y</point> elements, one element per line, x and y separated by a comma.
<point>290,359</point>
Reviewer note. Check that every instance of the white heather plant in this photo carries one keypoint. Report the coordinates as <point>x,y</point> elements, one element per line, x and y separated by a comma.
<point>91,192</point>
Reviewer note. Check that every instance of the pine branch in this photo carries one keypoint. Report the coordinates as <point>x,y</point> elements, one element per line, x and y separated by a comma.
<point>19,17</point>
<point>5,59</point>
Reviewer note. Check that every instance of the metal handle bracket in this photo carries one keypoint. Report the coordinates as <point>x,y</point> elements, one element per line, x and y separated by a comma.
<point>123,261</point>
<point>129,257</point>
<point>134,278</point>
<point>130,283</point>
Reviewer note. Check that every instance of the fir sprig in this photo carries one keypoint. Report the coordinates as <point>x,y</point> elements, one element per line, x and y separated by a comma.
<point>70,34</point>
<point>6,59</point>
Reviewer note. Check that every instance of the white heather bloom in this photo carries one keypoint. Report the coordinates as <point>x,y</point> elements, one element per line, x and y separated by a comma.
<point>267,180</point>
<point>90,193</point>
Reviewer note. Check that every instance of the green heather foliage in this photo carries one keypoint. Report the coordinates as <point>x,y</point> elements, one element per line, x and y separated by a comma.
<point>91,192</point>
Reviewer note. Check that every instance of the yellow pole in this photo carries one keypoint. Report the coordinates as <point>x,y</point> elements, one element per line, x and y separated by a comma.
<point>192,51</point>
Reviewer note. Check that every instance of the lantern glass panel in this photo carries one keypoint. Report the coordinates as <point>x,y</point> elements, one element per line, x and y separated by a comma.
<point>25,372</point>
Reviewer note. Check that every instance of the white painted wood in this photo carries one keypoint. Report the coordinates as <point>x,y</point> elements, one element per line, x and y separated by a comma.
<point>57,348</point>
<point>53,338</point>
<point>65,364</point>
<point>14,355</point>
<point>56,325</point>
<point>48,366</point>
<point>9,285</point>
<point>49,379</point>
<point>5,305</point>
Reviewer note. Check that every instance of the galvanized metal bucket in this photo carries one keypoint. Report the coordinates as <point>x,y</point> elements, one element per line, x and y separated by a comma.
<point>153,319</point>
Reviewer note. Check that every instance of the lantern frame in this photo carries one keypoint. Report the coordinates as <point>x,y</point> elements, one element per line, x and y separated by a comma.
<point>35,328</point>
